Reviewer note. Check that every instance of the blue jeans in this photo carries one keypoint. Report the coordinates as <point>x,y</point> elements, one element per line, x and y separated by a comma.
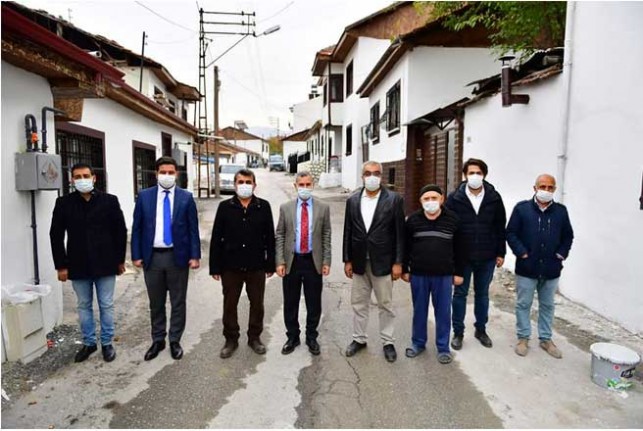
<point>525,288</point>
<point>482,271</point>
<point>105,295</point>
<point>439,289</point>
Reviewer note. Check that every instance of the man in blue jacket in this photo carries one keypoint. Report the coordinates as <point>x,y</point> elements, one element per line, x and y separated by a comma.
<point>482,225</point>
<point>540,235</point>
<point>165,242</point>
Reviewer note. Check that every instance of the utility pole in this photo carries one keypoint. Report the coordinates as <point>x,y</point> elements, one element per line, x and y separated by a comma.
<point>217,84</point>
<point>140,81</point>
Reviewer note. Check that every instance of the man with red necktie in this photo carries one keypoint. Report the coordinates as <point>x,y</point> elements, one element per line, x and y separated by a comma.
<point>303,254</point>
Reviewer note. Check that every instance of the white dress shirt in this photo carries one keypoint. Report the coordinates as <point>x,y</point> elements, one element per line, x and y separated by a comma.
<point>368,205</point>
<point>158,232</point>
<point>476,201</point>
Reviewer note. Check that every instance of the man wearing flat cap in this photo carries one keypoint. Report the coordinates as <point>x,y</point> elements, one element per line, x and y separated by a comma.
<point>433,262</point>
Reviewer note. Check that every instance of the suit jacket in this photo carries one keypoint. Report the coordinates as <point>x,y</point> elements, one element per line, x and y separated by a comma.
<point>285,236</point>
<point>384,241</point>
<point>185,227</point>
<point>96,235</point>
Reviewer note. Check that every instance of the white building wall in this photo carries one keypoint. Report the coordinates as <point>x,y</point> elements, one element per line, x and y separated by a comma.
<point>122,126</point>
<point>26,93</point>
<point>603,177</point>
<point>439,76</point>
<point>392,148</point>
<point>518,143</point>
<point>364,55</point>
<point>305,114</point>
<point>256,145</point>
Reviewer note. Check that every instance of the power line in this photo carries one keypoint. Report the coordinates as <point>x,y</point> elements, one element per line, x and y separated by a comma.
<point>163,18</point>
<point>278,12</point>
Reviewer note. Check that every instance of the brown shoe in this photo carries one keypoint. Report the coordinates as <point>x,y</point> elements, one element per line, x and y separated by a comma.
<point>522,347</point>
<point>228,349</point>
<point>257,346</point>
<point>549,347</point>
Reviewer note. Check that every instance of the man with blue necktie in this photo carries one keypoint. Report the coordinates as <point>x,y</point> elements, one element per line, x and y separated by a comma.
<point>165,242</point>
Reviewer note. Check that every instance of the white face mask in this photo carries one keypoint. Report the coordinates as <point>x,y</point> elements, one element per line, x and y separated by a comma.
<point>304,193</point>
<point>544,196</point>
<point>244,191</point>
<point>166,181</point>
<point>431,207</point>
<point>474,181</point>
<point>372,183</point>
<point>84,185</point>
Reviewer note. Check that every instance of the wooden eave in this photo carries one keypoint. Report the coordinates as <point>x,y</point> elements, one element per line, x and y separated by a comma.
<point>232,133</point>
<point>297,137</point>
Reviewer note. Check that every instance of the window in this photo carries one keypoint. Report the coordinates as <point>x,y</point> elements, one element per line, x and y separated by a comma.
<point>349,79</point>
<point>391,175</point>
<point>349,140</point>
<point>375,122</point>
<point>144,170</point>
<point>172,106</point>
<point>77,144</point>
<point>166,144</point>
<point>325,94</point>
<point>336,88</point>
<point>184,112</point>
<point>393,108</point>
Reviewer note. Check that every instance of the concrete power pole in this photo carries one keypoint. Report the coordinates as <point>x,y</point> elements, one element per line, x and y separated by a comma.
<point>217,84</point>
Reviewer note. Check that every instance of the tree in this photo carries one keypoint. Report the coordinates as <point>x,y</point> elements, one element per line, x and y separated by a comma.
<point>518,26</point>
<point>275,145</point>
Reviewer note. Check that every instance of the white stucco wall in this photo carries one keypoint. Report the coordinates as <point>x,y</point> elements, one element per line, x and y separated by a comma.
<point>256,145</point>
<point>603,178</point>
<point>122,126</point>
<point>439,75</point>
<point>518,143</point>
<point>305,114</point>
<point>25,93</point>
<point>291,147</point>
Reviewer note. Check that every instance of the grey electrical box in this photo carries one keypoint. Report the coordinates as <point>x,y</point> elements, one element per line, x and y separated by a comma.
<point>179,156</point>
<point>38,171</point>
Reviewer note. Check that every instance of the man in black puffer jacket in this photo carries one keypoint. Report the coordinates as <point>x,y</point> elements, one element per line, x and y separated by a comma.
<point>482,223</point>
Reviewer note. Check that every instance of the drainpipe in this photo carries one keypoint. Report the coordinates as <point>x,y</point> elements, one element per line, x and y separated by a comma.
<point>567,78</point>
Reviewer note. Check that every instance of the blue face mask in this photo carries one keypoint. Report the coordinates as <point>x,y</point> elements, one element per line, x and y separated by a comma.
<point>84,185</point>
<point>304,193</point>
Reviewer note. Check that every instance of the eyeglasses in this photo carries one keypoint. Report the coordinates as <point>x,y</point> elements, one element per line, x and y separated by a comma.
<point>374,174</point>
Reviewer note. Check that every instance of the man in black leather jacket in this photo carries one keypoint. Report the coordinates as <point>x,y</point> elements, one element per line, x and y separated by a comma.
<point>373,255</point>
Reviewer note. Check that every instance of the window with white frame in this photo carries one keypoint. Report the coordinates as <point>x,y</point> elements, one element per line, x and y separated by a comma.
<point>393,108</point>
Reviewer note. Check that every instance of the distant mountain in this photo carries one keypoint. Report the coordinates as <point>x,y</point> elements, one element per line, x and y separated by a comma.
<point>266,132</point>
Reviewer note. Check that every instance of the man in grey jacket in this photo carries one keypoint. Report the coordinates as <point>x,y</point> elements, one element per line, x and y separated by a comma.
<point>303,253</point>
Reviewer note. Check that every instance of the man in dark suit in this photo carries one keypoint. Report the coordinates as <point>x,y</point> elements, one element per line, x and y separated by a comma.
<point>95,254</point>
<point>373,255</point>
<point>165,242</point>
<point>303,257</point>
<point>242,251</point>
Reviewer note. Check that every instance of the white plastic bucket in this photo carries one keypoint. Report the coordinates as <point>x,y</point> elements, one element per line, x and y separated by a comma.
<point>612,364</point>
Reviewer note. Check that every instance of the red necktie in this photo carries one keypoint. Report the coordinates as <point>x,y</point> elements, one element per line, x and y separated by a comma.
<point>303,247</point>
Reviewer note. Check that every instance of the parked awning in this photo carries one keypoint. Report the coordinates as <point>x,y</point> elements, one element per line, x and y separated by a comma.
<point>440,117</point>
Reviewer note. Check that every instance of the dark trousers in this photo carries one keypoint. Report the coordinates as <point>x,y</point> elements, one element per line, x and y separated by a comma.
<point>438,289</point>
<point>302,272</point>
<point>233,282</point>
<point>161,277</point>
<point>482,273</point>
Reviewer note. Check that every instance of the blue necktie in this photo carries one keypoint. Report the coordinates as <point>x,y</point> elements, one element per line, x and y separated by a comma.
<point>167,219</point>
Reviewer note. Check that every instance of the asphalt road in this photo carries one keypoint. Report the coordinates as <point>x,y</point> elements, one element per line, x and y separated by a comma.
<point>482,388</point>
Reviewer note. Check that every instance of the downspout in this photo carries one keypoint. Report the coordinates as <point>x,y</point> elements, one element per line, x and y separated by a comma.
<point>567,78</point>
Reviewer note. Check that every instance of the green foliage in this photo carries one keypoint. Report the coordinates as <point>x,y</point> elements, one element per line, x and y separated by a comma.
<point>518,26</point>
<point>275,144</point>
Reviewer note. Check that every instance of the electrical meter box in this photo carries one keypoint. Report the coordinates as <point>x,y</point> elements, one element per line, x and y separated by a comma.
<point>38,171</point>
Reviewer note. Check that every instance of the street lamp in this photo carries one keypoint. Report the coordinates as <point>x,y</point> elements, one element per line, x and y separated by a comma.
<point>217,188</point>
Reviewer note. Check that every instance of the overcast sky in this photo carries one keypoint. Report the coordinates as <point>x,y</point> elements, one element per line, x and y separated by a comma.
<point>260,78</point>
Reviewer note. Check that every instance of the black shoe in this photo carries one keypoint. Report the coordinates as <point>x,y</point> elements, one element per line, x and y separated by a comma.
<point>354,347</point>
<point>313,347</point>
<point>109,353</point>
<point>290,345</point>
<point>257,346</point>
<point>456,342</point>
<point>481,335</point>
<point>154,350</point>
<point>228,349</point>
<point>389,353</point>
<point>84,353</point>
<point>176,350</point>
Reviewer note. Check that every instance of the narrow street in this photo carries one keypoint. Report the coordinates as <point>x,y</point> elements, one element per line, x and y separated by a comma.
<point>482,388</point>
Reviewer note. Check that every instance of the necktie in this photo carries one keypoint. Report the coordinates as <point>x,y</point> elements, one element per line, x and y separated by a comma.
<point>167,219</point>
<point>304,228</point>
